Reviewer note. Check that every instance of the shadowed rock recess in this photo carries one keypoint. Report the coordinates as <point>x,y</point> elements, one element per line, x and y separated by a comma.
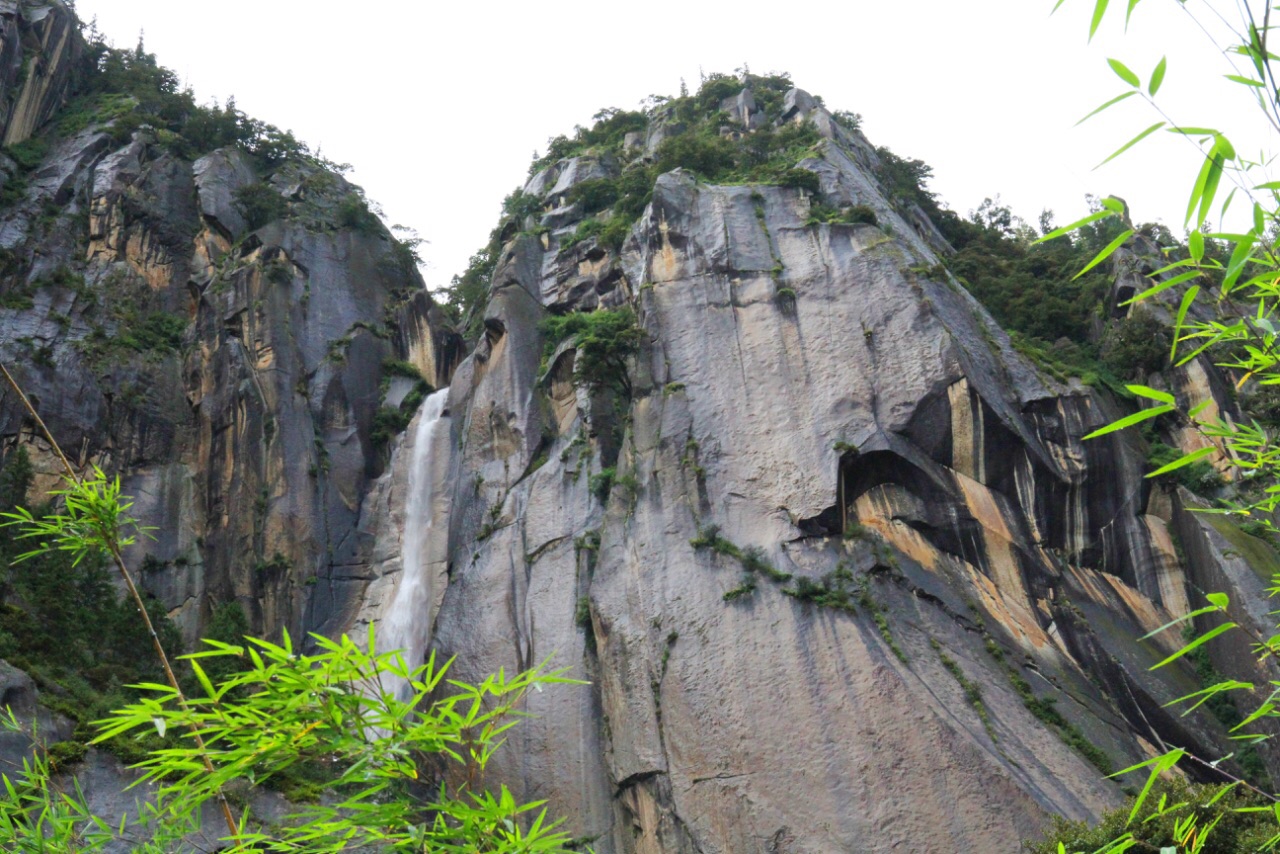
<point>829,548</point>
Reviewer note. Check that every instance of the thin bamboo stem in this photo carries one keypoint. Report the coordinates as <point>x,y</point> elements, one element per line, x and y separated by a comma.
<point>113,549</point>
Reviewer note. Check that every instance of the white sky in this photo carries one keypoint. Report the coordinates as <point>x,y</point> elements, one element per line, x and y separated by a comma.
<point>440,105</point>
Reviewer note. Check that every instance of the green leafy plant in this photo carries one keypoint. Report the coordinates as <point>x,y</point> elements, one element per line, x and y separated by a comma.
<point>1241,270</point>
<point>603,339</point>
<point>259,203</point>
<point>334,727</point>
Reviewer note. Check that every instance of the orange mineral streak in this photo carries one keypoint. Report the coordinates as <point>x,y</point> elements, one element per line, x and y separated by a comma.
<point>1003,595</point>
<point>664,266</point>
<point>1106,590</point>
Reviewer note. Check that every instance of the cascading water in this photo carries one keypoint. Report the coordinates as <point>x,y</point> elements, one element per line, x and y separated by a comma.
<point>406,624</point>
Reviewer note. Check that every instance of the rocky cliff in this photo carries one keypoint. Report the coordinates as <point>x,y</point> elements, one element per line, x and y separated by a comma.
<point>858,583</point>
<point>211,324</point>
<point>731,442</point>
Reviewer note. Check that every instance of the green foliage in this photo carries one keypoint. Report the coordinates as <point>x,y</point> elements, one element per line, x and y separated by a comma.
<point>29,153</point>
<point>129,88</point>
<point>61,618</point>
<point>848,215</point>
<point>63,754</point>
<point>398,368</point>
<point>353,213</point>
<point>711,157</point>
<point>1200,477</point>
<point>972,691</point>
<point>158,332</point>
<point>746,588</point>
<point>904,181</point>
<point>1223,707</point>
<point>390,421</point>
<point>16,473</point>
<point>752,560</point>
<point>276,719</point>
<point>331,727</point>
<point>852,121</point>
<point>1028,287</point>
<point>518,207</point>
<point>1137,346</point>
<point>586,229</point>
<point>582,613</point>
<point>1161,823</point>
<point>801,179</point>
<point>834,590</point>
<point>594,194</point>
<point>603,340</point>
<point>260,203</point>
<point>601,483</point>
<point>1258,528</point>
<point>1045,710</point>
<point>277,565</point>
<point>467,292</point>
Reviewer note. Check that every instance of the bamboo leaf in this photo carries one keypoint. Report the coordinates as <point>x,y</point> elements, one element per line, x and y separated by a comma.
<point>1227,204</point>
<point>1157,76</point>
<point>1185,460</point>
<point>1239,257</point>
<point>1195,644</point>
<point>1099,9</point>
<point>1129,421</point>
<point>1122,71</point>
<point>1131,143</point>
<point>1158,766</point>
<point>1191,616</point>
<point>1210,187</point>
<point>1067,229</point>
<point>1128,13</point>
<point>1187,299</point>
<point>1163,286</point>
<point>1247,81</point>
<point>1105,253</point>
<point>1261,712</point>
<point>1207,694</point>
<point>1151,393</point>
<point>1110,103</point>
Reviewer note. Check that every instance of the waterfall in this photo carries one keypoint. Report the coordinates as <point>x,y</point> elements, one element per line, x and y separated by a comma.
<point>406,623</point>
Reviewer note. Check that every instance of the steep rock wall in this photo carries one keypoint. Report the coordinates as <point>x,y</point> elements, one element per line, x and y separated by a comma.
<point>230,375</point>
<point>823,400</point>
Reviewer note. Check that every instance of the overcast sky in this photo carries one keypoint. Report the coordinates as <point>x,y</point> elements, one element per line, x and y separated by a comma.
<point>439,106</point>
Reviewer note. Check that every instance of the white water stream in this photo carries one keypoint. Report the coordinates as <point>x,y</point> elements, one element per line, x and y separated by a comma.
<point>406,623</point>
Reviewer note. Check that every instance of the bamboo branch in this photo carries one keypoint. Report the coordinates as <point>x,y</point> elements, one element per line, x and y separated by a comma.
<point>113,549</point>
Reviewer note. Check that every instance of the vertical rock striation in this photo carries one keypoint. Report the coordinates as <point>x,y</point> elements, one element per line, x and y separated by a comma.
<point>841,500</point>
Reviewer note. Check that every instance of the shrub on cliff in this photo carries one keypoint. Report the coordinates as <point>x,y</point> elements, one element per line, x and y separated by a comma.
<point>1137,346</point>
<point>259,203</point>
<point>603,339</point>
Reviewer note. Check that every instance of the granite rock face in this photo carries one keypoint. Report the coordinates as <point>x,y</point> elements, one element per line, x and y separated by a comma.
<point>229,371</point>
<point>837,563</point>
<point>821,413</point>
<point>40,46</point>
